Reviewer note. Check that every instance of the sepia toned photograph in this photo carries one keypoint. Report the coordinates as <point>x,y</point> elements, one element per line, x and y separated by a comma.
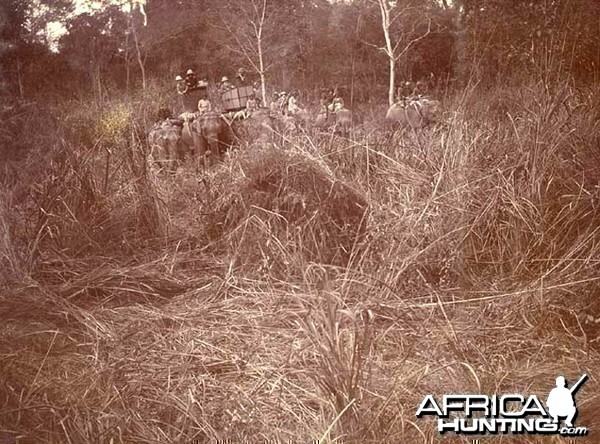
<point>299,221</point>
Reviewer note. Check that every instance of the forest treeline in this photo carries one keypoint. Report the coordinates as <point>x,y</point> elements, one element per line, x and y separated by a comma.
<point>305,44</point>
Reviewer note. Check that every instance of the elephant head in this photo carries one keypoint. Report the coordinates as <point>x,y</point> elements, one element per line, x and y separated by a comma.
<point>416,113</point>
<point>339,120</point>
<point>212,136</point>
<point>258,128</point>
<point>164,139</point>
<point>187,137</point>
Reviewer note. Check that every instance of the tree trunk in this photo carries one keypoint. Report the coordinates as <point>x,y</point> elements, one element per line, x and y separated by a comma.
<point>261,67</point>
<point>261,62</point>
<point>389,49</point>
<point>392,78</point>
<point>140,60</point>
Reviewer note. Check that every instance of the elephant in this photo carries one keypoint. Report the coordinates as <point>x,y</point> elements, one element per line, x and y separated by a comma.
<point>288,123</point>
<point>164,139</point>
<point>301,118</point>
<point>211,135</point>
<point>258,127</point>
<point>417,113</point>
<point>340,120</point>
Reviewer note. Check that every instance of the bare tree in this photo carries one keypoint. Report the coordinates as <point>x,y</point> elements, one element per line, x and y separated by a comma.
<point>391,13</point>
<point>249,23</point>
<point>131,6</point>
<point>138,52</point>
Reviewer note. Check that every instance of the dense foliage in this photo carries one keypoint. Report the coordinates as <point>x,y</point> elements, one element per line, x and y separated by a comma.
<point>306,44</point>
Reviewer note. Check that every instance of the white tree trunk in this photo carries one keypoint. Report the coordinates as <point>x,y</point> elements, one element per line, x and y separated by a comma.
<point>261,63</point>
<point>261,67</point>
<point>389,49</point>
<point>392,81</point>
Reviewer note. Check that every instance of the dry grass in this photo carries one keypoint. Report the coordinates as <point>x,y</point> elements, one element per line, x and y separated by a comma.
<point>318,289</point>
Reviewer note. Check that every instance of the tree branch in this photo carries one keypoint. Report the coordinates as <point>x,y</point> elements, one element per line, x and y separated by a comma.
<point>413,41</point>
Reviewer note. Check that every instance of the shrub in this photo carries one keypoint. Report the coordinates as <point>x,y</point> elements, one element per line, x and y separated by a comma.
<point>275,207</point>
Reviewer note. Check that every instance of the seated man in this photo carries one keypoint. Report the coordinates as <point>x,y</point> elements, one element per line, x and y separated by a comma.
<point>421,88</point>
<point>336,105</point>
<point>331,94</point>
<point>181,86</point>
<point>204,106</point>
<point>405,92</point>
<point>252,103</point>
<point>225,85</point>
<point>292,103</point>
<point>274,101</point>
<point>251,106</point>
<point>190,80</point>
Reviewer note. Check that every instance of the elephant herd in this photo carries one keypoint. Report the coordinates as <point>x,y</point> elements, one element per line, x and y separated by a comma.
<point>207,136</point>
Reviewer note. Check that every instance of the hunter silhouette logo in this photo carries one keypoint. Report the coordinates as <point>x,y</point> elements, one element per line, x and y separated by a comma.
<point>507,414</point>
<point>561,402</point>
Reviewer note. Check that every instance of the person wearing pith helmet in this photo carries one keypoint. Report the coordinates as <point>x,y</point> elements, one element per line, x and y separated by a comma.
<point>190,79</point>
<point>225,85</point>
<point>181,85</point>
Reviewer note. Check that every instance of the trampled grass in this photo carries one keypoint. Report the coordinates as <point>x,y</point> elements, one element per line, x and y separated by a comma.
<point>316,289</point>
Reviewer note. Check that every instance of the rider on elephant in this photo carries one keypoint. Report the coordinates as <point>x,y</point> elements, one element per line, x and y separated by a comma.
<point>292,103</point>
<point>181,86</point>
<point>274,101</point>
<point>225,85</point>
<point>251,105</point>
<point>337,104</point>
<point>204,106</point>
<point>191,80</point>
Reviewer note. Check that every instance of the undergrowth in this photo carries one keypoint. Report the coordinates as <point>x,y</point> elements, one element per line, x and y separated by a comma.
<point>317,288</point>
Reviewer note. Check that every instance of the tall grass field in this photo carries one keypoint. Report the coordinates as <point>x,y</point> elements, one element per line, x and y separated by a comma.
<point>313,289</point>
